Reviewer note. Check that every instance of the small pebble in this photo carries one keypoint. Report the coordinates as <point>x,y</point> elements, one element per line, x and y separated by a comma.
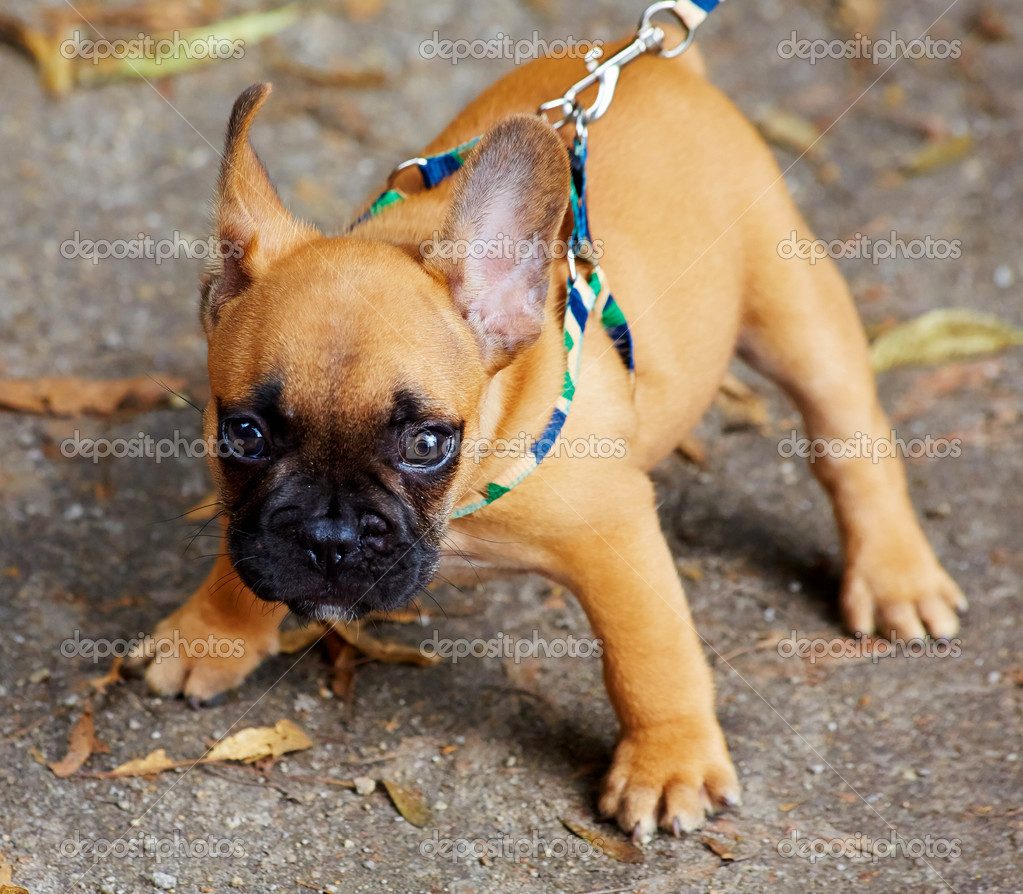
<point>364,785</point>
<point>164,880</point>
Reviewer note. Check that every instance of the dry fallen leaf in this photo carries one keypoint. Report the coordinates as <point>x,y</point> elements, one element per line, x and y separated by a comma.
<point>788,130</point>
<point>989,23</point>
<point>257,742</point>
<point>381,650</point>
<point>55,71</point>
<point>80,745</point>
<point>615,848</point>
<point>298,638</point>
<point>942,335</point>
<point>12,889</point>
<point>693,449</point>
<point>409,805</point>
<point>414,614</point>
<point>206,508</point>
<point>111,677</point>
<point>244,30</point>
<point>742,406</point>
<point>59,73</point>
<point>719,847</point>
<point>70,396</point>
<point>937,155</point>
<point>154,762</point>
<point>362,10</point>
<point>856,16</point>
<point>342,682</point>
<point>248,745</point>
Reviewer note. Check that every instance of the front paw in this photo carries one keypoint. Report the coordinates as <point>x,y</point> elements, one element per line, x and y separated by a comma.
<point>901,592</point>
<point>670,775</point>
<point>188,654</point>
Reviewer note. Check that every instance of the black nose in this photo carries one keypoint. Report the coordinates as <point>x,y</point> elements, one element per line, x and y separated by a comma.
<point>331,543</point>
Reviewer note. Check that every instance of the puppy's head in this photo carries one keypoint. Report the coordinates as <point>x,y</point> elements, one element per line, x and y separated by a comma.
<point>346,373</point>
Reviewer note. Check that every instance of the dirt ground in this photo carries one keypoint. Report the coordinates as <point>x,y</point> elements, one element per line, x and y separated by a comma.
<point>925,749</point>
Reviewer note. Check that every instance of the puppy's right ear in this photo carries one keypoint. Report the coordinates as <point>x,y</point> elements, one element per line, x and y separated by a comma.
<point>509,200</point>
<point>253,227</point>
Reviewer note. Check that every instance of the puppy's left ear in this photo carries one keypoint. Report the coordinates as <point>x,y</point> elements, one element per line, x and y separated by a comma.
<point>508,208</point>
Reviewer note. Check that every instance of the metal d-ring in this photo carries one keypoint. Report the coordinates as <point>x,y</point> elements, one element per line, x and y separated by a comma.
<point>646,22</point>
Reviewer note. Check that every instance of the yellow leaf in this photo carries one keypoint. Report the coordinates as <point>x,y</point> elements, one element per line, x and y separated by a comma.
<point>244,31</point>
<point>409,805</point>
<point>154,762</point>
<point>791,131</point>
<point>258,742</point>
<point>942,335</point>
<point>938,155</point>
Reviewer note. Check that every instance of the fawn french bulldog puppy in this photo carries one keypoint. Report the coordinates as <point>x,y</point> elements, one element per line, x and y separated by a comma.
<point>333,360</point>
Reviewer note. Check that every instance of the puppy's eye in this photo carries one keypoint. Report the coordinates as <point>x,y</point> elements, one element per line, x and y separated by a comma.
<point>428,448</point>
<point>243,438</point>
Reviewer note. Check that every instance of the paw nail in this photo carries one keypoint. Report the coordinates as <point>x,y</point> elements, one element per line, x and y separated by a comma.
<point>194,702</point>
<point>676,827</point>
<point>731,800</point>
<point>637,835</point>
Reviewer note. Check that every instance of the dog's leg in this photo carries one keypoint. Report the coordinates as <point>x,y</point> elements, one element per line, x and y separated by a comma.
<point>671,763</point>
<point>802,330</point>
<point>213,641</point>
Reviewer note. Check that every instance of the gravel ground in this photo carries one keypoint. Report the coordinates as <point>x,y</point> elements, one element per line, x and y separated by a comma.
<point>927,748</point>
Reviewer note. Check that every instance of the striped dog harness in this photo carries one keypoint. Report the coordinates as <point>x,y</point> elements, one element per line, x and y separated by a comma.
<point>585,293</point>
